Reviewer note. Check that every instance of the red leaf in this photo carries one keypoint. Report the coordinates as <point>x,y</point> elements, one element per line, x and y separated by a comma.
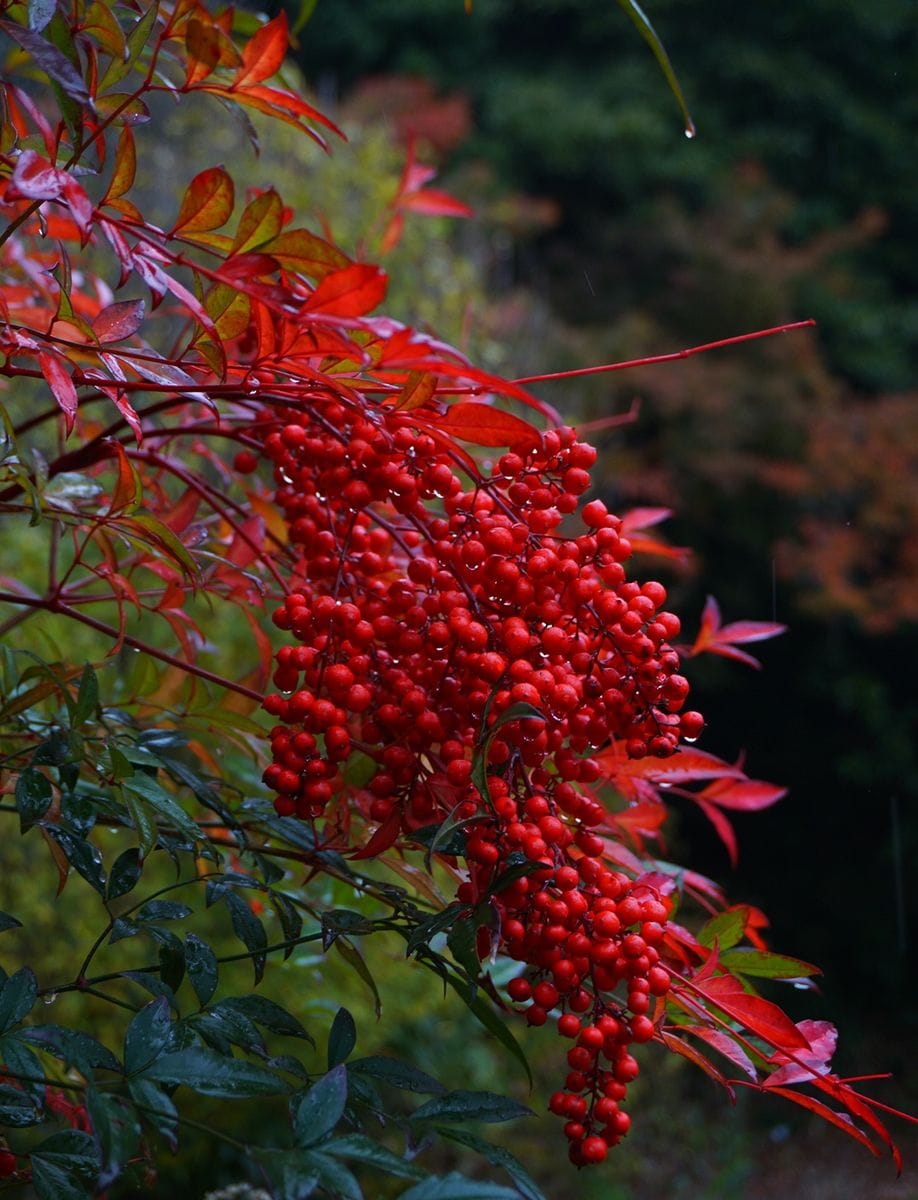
<point>483,425</point>
<point>128,490</point>
<point>61,384</point>
<point>842,1120</point>
<point>717,639</point>
<point>207,203</point>
<point>821,1036</point>
<point>755,1014</point>
<point>383,838</point>
<point>264,54</point>
<point>685,766</point>
<point>743,795</point>
<point>34,178</point>
<point>434,203</point>
<point>119,320</point>
<point>726,1045</point>
<point>418,389</point>
<point>351,292</point>
<point>722,827</point>
<point>693,1054</point>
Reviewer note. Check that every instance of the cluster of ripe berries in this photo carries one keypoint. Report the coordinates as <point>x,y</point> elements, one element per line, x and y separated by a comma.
<point>450,631</point>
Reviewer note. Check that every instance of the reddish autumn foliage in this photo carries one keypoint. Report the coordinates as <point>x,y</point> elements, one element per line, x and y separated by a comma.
<point>470,672</point>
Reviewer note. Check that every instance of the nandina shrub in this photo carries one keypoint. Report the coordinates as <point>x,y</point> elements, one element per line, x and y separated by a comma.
<point>468,683</point>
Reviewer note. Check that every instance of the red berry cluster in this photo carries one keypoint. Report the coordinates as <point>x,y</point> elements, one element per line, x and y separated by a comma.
<point>451,632</point>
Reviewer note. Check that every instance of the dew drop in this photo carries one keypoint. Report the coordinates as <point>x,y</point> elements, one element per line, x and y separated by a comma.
<point>50,998</point>
<point>690,131</point>
<point>691,741</point>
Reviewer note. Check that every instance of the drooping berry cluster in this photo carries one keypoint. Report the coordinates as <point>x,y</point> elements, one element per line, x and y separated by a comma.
<point>445,627</point>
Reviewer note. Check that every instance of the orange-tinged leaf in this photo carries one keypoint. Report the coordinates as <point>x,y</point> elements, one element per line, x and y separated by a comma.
<point>303,252</point>
<point>483,425</point>
<point>118,321</point>
<point>128,489</point>
<point>418,389</point>
<point>351,292</point>
<point>208,47</point>
<point>229,309</point>
<point>101,23</point>
<point>434,203</point>
<point>59,381</point>
<point>207,203</point>
<point>261,221</point>
<point>264,53</point>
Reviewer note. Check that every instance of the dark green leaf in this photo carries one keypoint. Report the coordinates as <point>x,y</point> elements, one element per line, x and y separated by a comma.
<point>317,1113</point>
<point>157,1107</point>
<point>213,1075</point>
<point>363,1149</point>
<point>462,939</point>
<point>87,701</point>
<point>342,1038</point>
<point>33,796</point>
<point>516,866</point>
<point>332,1175</point>
<point>116,1130</point>
<point>64,1165</point>
<point>8,922</point>
<point>125,873</point>
<point>498,1157</point>
<point>152,984</point>
<point>249,930</point>
<point>265,1012</point>
<point>73,1048</point>
<point>471,1106</point>
<point>19,1059</point>
<point>343,920</point>
<point>17,998</point>
<point>18,1108</point>
<point>291,921</point>
<point>148,1036</point>
<point>355,960</point>
<point>456,1187</point>
<point>431,926</point>
<point>83,856</point>
<point>163,910</point>
<point>222,1028</point>
<point>398,1074</point>
<point>201,964</point>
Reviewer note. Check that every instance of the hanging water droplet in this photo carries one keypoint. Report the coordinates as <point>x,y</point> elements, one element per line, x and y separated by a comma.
<point>691,741</point>
<point>690,131</point>
<point>50,998</point>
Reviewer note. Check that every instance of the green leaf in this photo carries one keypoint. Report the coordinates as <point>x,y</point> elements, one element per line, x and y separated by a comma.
<point>147,1036</point>
<point>456,1187</point>
<point>727,928</point>
<point>330,1174</point>
<point>291,921</point>
<point>471,1106</point>
<point>342,1038</point>
<point>146,788</point>
<point>462,940</point>
<point>363,1149</point>
<point>202,967</point>
<point>516,712</point>
<point>317,1113</point>
<point>145,826</point>
<point>17,998</point>
<point>213,1074</point>
<point>157,1107</point>
<point>343,920</point>
<point>33,797</point>
<point>398,1074</point>
<point>8,922</point>
<point>125,873</point>
<point>764,964</point>
<point>649,34</point>
<point>87,701</point>
<point>497,1156</point>
<point>117,1132</point>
